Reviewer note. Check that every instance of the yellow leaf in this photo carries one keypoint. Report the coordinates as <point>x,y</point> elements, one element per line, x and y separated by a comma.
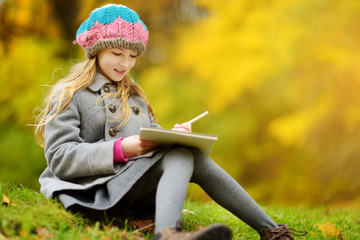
<point>5,200</point>
<point>143,225</point>
<point>329,229</point>
<point>23,234</point>
<point>43,232</point>
<point>106,238</point>
<point>198,227</point>
<point>89,229</point>
<point>2,237</point>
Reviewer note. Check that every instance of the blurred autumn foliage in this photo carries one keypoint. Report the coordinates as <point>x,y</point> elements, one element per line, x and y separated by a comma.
<point>280,79</point>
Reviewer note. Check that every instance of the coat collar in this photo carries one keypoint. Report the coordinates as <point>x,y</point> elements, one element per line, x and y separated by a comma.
<point>98,83</point>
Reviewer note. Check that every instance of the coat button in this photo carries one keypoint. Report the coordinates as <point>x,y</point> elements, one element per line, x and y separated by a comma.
<point>106,89</point>
<point>112,132</point>
<point>112,108</point>
<point>135,110</point>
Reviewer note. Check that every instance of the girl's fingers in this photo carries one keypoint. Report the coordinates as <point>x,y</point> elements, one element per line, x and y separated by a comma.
<point>184,127</point>
<point>148,143</point>
<point>134,146</point>
<point>187,126</point>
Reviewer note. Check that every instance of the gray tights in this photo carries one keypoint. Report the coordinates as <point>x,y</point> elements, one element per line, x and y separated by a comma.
<point>171,177</point>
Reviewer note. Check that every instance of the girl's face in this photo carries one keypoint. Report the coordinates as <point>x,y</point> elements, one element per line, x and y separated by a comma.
<point>115,63</point>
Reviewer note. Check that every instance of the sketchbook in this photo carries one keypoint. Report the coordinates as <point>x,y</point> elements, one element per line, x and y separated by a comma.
<point>204,142</point>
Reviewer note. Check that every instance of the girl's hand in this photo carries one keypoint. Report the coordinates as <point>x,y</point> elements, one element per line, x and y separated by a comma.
<point>134,146</point>
<point>184,127</point>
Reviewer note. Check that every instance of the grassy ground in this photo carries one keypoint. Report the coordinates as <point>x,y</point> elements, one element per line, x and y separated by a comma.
<point>26,214</point>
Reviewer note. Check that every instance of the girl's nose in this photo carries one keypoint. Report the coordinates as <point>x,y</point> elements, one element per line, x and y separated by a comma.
<point>125,62</point>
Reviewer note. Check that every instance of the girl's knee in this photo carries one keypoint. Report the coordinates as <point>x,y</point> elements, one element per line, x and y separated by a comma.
<point>180,152</point>
<point>203,166</point>
<point>180,156</point>
<point>200,158</point>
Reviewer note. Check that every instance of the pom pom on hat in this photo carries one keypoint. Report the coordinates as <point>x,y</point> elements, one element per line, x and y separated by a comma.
<point>112,26</point>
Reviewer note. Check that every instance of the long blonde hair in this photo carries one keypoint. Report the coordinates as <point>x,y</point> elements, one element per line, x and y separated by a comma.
<point>80,77</point>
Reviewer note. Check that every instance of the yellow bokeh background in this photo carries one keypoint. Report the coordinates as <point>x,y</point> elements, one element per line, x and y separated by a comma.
<point>279,78</point>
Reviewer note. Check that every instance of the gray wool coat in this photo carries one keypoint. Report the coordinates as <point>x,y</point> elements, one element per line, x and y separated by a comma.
<point>79,144</point>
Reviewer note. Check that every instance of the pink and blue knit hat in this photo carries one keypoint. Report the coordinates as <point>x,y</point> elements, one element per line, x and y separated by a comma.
<point>112,26</point>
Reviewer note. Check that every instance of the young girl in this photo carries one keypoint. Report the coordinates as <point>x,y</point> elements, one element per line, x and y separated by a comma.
<point>96,160</point>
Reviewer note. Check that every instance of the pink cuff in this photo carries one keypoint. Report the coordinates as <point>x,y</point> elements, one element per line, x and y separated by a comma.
<point>118,154</point>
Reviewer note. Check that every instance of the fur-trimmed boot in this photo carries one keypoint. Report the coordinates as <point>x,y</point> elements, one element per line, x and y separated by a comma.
<point>282,232</point>
<point>212,232</point>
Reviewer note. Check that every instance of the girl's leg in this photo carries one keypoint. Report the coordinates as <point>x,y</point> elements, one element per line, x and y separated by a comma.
<point>224,190</point>
<point>171,177</point>
<point>178,167</point>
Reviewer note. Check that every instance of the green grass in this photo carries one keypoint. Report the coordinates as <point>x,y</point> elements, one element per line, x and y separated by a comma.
<point>30,216</point>
<point>300,218</point>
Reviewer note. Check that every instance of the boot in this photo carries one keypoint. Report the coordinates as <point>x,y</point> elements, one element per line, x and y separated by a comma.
<point>212,232</point>
<point>282,232</point>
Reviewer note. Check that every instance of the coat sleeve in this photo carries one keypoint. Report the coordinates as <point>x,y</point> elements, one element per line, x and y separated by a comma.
<point>68,155</point>
<point>155,125</point>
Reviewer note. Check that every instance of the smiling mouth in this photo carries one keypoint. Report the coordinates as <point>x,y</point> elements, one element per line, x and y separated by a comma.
<point>120,72</point>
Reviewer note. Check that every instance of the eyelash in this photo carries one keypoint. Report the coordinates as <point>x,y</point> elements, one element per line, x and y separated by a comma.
<point>118,54</point>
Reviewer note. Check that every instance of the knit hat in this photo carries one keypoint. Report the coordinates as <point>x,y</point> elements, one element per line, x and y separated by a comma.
<point>112,26</point>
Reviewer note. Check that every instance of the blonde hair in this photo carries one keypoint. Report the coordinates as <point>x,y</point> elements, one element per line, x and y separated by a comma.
<point>80,77</point>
